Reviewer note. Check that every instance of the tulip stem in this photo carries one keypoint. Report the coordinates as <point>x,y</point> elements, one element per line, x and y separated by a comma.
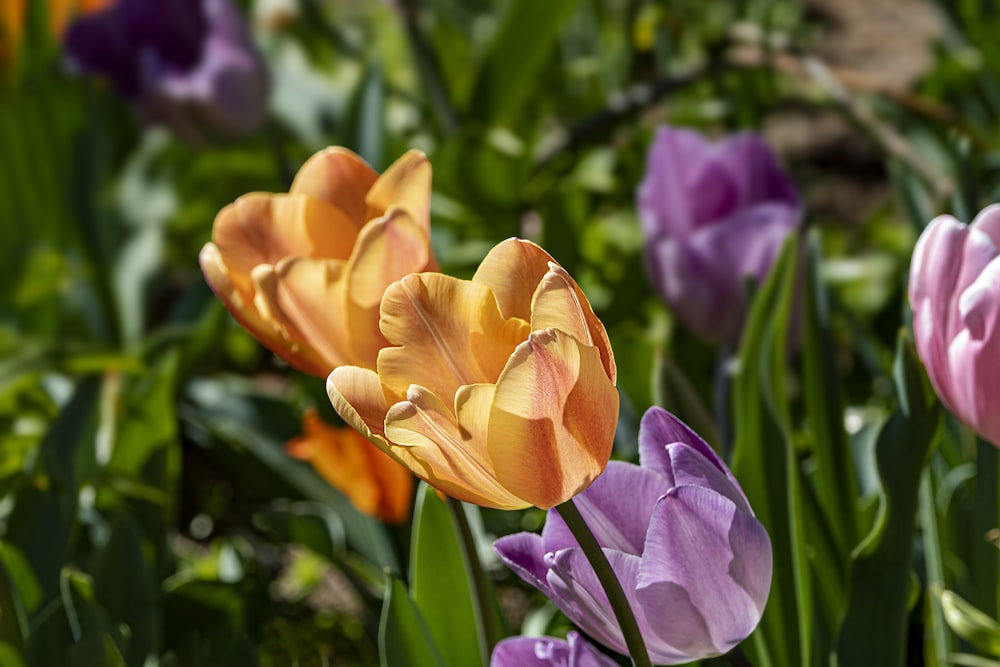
<point>481,589</point>
<point>609,580</point>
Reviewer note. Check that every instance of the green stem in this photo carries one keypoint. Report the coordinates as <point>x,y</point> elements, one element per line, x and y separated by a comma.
<point>609,580</point>
<point>935,569</point>
<point>481,589</point>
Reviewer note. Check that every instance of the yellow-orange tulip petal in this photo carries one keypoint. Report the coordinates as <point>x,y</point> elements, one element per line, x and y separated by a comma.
<point>406,184</point>
<point>448,333</point>
<point>372,481</point>
<point>488,406</point>
<point>305,271</point>
<point>560,303</point>
<point>512,270</point>
<point>387,250</point>
<point>339,177</point>
<point>426,429</point>
<point>551,429</point>
<point>304,298</point>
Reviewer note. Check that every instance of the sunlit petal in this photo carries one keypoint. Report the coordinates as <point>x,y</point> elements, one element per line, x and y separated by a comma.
<point>512,270</point>
<point>406,184</point>
<point>337,176</point>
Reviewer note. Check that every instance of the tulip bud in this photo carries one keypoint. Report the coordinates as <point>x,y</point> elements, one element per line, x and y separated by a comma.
<point>692,559</point>
<point>714,216</point>
<point>955,296</point>
<point>499,390</point>
<point>372,481</point>
<point>190,65</point>
<point>305,271</point>
<point>574,651</point>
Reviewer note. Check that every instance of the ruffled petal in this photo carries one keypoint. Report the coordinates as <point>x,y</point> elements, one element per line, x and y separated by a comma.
<point>405,184</point>
<point>424,429</point>
<point>356,395</point>
<point>553,419</point>
<point>706,572</point>
<point>449,333</point>
<point>339,177</point>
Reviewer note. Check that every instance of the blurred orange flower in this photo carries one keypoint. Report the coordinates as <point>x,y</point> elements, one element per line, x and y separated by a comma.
<point>373,482</point>
<point>305,271</point>
<point>499,390</point>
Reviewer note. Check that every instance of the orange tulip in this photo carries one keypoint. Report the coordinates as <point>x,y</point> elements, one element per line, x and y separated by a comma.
<point>305,271</point>
<point>499,391</point>
<point>373,482</point>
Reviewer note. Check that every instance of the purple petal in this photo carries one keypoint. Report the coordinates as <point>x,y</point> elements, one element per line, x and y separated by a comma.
<point>657,429</point>
<point>705,573</point>
<point>523,553</point>
<point>617,508</point>
<point>664,203</point>
<point>548,652</point>
<point>691,468</point>
<point>755,170</point>
<point>99,43</point>
<point>577,592</point>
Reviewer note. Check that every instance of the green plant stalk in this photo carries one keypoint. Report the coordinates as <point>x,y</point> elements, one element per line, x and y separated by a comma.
<point>935,569</point>
<point>612,587</point>
<point>480,584</point>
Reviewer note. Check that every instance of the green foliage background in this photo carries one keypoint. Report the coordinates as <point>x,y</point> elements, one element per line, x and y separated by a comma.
<point>148,513</point>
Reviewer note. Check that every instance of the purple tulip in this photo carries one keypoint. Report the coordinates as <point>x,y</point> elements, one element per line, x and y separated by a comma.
<point>955,296</point>
<point>548,652</point>
<point>693,560</point>
<point>713,216</point>
<point>188,64</point>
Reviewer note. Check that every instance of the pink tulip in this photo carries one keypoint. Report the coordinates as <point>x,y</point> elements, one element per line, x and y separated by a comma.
<point>955,295</point>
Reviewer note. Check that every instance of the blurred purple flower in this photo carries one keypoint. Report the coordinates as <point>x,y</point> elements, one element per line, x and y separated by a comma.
<point>692,558</point>
<point>548,652</point>
<point>188,64</point>
<point>955,296</point>
<point>713,216</point>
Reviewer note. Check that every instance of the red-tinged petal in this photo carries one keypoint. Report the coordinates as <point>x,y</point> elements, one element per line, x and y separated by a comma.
<point>513,269</point>
<point>387,250</point>
<point>405,184</point>
<point>337,176</point>
<point>449,332</point>
<point>424,428</point>
<point>553,419</point>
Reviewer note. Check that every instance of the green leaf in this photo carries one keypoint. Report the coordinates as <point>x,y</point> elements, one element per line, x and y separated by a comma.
<point>10,656</point>
<point>971,624</point>
<point>440,584</point>
<point>765,462</point>
<point>13,620</point>
<point>874,628</point>
<point>516,55</point>
<point>404,639</point>
<point>366,119</point>
<point>123,584</point>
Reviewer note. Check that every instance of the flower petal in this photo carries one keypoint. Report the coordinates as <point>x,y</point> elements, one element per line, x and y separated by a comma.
<point>304,297</point>
<point>356,395</point>
<point>617,508</point>
<point>578,593</point>
<point>260,229</point>
<point>553,419</point>
<point>512,270</point>
<point>449,332</point>
<point>559,303</point>
<point>337,176</point>
<point>406,184</point>
<point>524,554</point>
<point>423,429</point>
<point>387,249</point>
<point>657,429</point>
<point>705,574</point>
